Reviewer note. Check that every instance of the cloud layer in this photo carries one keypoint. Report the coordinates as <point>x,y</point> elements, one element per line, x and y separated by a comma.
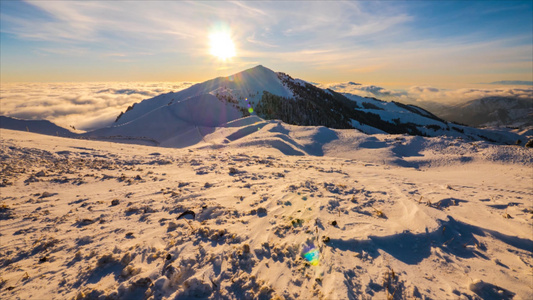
<point>88,106</point>
<point>430,94</point>
<point>445,96</point>
<point>85,106</point>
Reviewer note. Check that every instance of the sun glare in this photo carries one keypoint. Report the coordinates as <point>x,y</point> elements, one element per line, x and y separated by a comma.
<point>221,45</point>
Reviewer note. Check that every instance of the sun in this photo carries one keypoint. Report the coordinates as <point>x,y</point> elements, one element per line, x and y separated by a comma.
<point>221,45</point>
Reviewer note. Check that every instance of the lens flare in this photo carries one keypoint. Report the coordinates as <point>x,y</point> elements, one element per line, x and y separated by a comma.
<point>311,254</point>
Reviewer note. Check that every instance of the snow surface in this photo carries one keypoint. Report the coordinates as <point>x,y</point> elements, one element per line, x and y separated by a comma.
<point>389,216</point>
<point>35,126</point>
<point>179,124</point>
<point>390,111</point>
<point>244,86</point>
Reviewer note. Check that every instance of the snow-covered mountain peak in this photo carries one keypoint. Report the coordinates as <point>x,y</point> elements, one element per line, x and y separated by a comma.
<point>275,95</point>
<point>242,88</point>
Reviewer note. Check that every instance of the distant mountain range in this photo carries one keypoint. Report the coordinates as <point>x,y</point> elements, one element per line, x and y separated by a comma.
<point>512,110</point>
<point>491,111</point>
<point>183,118</point>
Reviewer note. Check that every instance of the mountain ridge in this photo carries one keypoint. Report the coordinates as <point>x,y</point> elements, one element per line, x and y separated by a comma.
<point>492,111</point>
<point>35,126</point>
<point>184,118</point>
<point>276,95</point>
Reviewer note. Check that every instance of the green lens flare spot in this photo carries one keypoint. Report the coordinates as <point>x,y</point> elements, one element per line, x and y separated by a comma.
<point>312,256</point>
<point>250,110</point>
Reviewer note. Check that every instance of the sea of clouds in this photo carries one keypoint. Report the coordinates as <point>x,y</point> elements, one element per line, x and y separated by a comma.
<point>89,106</point>
<point>85,106</point>
<point>431,94</point>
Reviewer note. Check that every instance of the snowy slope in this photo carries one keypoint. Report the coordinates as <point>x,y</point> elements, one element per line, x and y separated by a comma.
<point>426,123</point>
<point>487,111</point>
<point>183,118</point>
<point>344,216</point>
<point>247,84</point>
<point>36,126</point>
<point>178,124</point>
<point>371,115</point>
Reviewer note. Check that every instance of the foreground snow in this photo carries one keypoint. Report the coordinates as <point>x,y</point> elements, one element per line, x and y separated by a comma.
<point>388,216</point>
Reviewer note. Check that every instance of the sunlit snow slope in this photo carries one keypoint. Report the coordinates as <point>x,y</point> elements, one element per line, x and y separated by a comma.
<point>375,217</point>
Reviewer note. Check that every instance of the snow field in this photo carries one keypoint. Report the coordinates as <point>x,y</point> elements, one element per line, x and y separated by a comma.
<point>391,217</point>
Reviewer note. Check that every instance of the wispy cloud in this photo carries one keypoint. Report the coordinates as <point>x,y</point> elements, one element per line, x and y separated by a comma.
<point>378,25</point>
<point>250,10</point>
<point>386,38</point>
<point>127,24</point>
<point>252,39</point>
<point>136,23</point>
<point>64,51</point>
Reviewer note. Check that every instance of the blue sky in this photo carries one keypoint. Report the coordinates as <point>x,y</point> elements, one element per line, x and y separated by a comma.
<point>391,43</point>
